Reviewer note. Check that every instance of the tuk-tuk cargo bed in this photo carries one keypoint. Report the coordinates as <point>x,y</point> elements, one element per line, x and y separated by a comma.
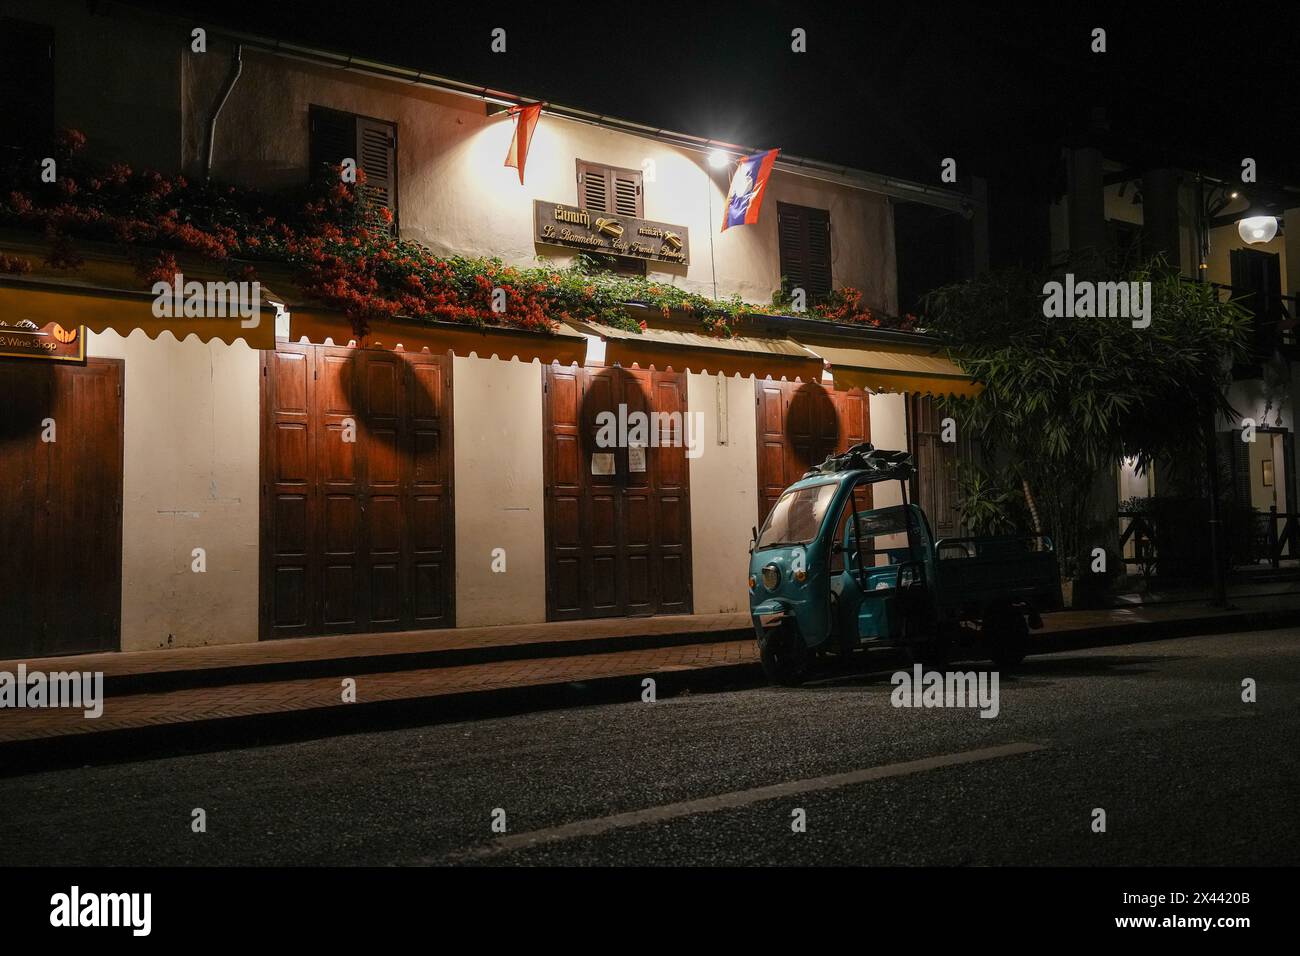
<point>975,573</point>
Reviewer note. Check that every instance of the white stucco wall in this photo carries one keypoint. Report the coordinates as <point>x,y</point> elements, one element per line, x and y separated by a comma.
<point>497,431</point>
<point>724,490</point>
<point>888,431</point>
<point>190,481</point>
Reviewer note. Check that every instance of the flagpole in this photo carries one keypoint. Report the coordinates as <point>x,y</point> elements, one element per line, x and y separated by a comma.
<point>713,265</point>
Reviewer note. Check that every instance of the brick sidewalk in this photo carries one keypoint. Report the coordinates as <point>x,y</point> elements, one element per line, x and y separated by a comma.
<point>202,704</point>
<point>321,695</point>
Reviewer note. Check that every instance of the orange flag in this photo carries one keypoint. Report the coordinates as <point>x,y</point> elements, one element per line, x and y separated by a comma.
<point>525,123</point>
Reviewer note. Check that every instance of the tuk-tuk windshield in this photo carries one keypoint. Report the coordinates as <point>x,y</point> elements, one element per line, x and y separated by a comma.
<point>797,516</point>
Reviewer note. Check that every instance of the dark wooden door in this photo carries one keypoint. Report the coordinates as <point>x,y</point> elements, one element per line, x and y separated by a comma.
<point>617,520</point>
<point>357,528</point>
<point>61,517</point>
<point>799,424</point>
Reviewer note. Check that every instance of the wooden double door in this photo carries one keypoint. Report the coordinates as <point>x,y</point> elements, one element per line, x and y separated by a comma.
<point>799,424</point>
<point>357,519</point>
<point>618,515</point>
<point>61,508</point>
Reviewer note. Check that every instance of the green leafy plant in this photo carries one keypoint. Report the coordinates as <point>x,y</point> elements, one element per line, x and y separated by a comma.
<point>987,503</point>
<point>1065,399</point>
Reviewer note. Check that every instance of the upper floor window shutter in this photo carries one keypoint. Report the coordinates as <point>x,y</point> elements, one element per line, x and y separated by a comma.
<point>333,137</point>
<point>610,190</point>
<point>593,187</point>
<point>26,82</point>
<point>377,155</point>
<point>627,192</point>
<point>336,135</point>
<point>804,236</point>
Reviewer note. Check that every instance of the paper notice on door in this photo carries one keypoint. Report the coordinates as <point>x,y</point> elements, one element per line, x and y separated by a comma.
<point>602,463</point>
<point>636,458</point>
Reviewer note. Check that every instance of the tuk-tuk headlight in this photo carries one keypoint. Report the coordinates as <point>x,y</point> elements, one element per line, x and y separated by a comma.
<point>771,576</point>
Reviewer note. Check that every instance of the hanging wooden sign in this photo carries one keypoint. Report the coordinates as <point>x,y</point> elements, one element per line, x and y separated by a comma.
<point>51,342</point>
<point>561,225</point>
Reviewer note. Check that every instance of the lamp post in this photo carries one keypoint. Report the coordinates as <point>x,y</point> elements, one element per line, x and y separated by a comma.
<point>1220,595</point>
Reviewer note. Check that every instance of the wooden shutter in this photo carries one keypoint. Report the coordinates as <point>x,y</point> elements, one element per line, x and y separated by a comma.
<point>26,82</point>
<point>1257,278</point>
<point>819,253</point>
<point>627,192</point>
<point>804,235</point>
<point>332,136</point>
<point>377,155</point>
<point>610,190</point>
<point>335,136</point>
<point>593,187</point>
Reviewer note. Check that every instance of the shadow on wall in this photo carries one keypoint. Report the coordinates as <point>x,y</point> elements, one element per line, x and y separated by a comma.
<point>812,425</point>
<point>378,399</point>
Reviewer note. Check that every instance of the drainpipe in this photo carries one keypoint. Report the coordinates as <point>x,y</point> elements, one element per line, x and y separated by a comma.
<point>236,68</point>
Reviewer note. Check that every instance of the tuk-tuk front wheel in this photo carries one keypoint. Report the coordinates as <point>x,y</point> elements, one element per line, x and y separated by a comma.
<point>927,646</point>
<point>784,658</point>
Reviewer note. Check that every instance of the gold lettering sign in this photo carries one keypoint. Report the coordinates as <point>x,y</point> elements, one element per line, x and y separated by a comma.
<point>559,225</point>
<point>52,342</point>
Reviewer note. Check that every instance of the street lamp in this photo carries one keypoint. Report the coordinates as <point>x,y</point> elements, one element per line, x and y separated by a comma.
<point>718,159</point>
<point>1257,229</point>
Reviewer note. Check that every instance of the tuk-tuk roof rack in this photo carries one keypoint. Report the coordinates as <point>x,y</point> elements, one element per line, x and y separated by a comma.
<point>864,456</point>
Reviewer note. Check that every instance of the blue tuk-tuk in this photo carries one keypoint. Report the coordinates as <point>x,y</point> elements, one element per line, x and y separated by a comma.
<point>830,573</point>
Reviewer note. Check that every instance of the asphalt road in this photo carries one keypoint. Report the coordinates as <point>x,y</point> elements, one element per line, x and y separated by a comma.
<point>1155,734</point>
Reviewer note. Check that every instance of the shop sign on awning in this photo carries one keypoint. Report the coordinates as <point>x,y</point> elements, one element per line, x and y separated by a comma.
<point>50,342</point>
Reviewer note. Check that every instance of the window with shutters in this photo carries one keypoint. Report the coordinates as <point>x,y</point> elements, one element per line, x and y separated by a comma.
<point>26,82</point>
<point>805,238</point>
<point>613,191</point>
<point>609,189</point>
<point>336,135</point>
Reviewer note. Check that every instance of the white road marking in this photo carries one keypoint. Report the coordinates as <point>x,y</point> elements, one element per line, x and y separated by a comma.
<point>739,798</point>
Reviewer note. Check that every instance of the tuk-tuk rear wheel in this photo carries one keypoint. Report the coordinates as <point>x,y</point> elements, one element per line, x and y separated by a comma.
<point>1007,636</point>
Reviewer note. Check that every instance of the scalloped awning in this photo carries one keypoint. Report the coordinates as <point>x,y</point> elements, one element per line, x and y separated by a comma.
<point>100,309</point>
<point>564,345</point>
<point>775,358</point>
<point>919,369</point>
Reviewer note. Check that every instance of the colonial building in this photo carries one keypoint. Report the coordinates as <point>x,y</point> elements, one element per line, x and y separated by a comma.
<point>179,481</point>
